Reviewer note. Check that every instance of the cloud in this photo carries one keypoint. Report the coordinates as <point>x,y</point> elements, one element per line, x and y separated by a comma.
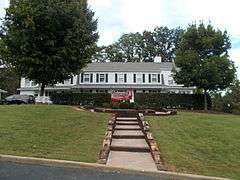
<point>100,3</point>
<point>141,15</point>
<point>3,4</point>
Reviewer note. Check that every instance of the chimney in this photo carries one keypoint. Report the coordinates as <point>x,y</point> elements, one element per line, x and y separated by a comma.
<point>158,59</point>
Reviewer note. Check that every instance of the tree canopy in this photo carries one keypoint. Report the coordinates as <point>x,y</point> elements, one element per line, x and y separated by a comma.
<point>142,47</point>
<point>203,60</point>
<point>48,41</point>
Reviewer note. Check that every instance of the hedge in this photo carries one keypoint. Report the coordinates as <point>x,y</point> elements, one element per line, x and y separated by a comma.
<point>142,100</point>
<point>86,99</point>
<point>184,101</point>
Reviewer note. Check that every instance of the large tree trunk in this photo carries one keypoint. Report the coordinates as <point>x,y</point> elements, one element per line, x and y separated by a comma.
<point>42,89</point>
<point>205,100</point>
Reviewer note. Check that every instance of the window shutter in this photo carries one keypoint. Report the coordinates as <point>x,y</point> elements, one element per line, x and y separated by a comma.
<point>162,79</point>
<point>97,78</point>
<point>158,78</point>
<point>149,78</point>
<point>106,78</point>
<point>91,78</point>
<point>125,78</point>
<point>143,78</point>
<point>71,80</point>
<point>82,77</point>
<point>116,78</point>
<point>134,78</point>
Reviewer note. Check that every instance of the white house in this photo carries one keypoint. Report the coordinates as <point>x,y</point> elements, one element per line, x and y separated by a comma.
<point>116,76</point>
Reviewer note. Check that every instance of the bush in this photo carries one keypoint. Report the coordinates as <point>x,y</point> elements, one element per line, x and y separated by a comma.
<point>115,105</point>
<point>236,108</point>
<point>124,105</point>
<point>184,101</point>
<point>85,99</point>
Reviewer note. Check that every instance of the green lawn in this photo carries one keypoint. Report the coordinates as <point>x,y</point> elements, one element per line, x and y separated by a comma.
<point>199,143</point>
<point>57,132</point>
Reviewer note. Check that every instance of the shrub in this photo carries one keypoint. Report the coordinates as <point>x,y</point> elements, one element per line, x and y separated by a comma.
<point>85,99</point>
<point>115,105</point>
<point>184,101</point>
<point>124,105</point>
<point>236,108</point>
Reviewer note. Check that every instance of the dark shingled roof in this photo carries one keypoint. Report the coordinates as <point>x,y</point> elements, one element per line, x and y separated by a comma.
<point>128,67</point>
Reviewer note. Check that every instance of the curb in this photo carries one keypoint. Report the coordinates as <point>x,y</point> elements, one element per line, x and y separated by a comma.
<point>73,164</point>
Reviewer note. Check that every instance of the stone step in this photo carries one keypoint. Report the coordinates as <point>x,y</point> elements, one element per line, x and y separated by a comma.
<point>131,160</point>
<point>131,145</point>
<point>125,134</point>
<point>127,127</point>
<point>127,123</point>
<point>126,118</point>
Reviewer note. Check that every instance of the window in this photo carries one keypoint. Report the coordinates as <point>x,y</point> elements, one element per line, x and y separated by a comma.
<point>34,83</point>
<point>162,79</point>
<point>154,78</point>
<point>102,78</point>
<point>71,80</point>
<point>86,77</point>
<point>116,78</point>
<point>121,78</point>
<point>27,83</point>
<point>139,78</point>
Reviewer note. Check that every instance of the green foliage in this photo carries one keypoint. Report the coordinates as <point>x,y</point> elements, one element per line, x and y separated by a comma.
<point>133,105</point>
<point>124,105</point>
<point>229,102</point>
<point>9,80</point>
<point>85,99</point>
<point>138,47</point>
<point>115,105</point>
<point>236,108</point>
<point>185,101</point>
<point>202,59</point>
<point>48,41</point>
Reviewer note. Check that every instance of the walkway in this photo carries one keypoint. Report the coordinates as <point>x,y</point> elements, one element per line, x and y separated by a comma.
<point>129,148</point>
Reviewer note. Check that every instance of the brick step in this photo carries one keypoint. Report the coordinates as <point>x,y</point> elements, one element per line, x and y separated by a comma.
<point>126,119</point>
<point>127,123</point>
<point>127,127</point>
<point>131,145</point>
<point>126,134</point>
<point>129,149</point>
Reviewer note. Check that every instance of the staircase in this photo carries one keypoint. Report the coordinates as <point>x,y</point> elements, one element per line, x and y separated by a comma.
<point>129,148</point>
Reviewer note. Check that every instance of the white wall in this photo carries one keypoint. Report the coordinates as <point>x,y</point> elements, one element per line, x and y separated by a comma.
<point>111,79</point>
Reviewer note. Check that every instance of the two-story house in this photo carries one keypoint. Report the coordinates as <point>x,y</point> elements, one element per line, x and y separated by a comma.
<point>116,76</point>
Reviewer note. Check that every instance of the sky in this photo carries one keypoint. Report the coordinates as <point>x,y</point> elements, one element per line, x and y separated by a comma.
<point>116,17</point>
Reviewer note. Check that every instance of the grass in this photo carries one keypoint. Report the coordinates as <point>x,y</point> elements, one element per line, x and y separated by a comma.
<point>198,143</point>
<point>55,132</point>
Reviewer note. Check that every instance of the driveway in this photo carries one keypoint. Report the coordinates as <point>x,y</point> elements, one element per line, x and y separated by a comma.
<point>15,171</point>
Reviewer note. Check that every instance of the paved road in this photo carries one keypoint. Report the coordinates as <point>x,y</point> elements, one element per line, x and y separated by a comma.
<point>14,171</point>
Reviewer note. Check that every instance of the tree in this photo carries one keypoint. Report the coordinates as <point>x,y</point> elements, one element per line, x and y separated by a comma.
<point>48,41</point>
<point>165,42</point>
<point>143,47</point>
<point>9,80</point>
<point>202,59</point>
